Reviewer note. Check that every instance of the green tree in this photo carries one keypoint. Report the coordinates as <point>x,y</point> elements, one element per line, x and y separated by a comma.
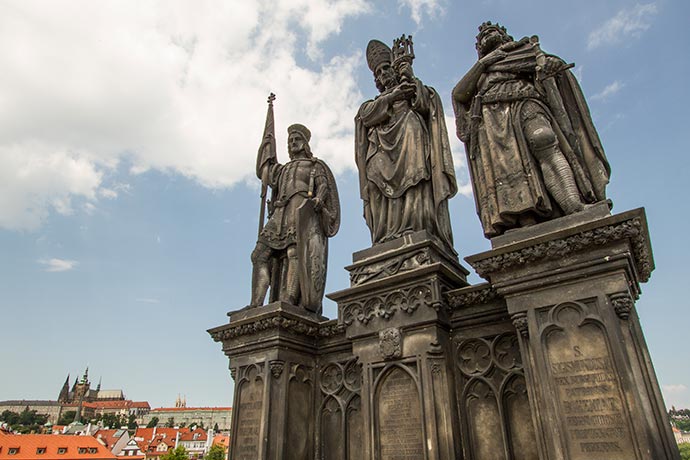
<point>28,421</point>
<point>9,417</point>
<point>153,422</point>
<point>215,428</point>
<point>170,423</point>
<point>111,420</point>
<point>216,452</point>
<point>178,453</point>
<point>684,448</point>
<point>132,422</point>
<point>67,417</point>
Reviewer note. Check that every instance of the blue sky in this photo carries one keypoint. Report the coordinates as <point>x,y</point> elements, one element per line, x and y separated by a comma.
<point>128,135</point>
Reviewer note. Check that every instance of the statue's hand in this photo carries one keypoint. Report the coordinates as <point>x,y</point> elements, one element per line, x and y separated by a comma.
<point>553,65</point>
<point>318,204</point>
<point>404,91</point>
<point>493,57</point>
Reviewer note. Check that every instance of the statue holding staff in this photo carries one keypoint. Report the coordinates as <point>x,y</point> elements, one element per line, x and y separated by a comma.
<point>304,211</point>
<point>402,151</point>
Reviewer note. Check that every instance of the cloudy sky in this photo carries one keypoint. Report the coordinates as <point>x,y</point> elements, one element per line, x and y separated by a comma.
<point>128,135</point>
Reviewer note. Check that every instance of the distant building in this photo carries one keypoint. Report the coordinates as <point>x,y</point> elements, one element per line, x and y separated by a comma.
<point>48,446</point>
<point>681,436</point>
<point>154,442</point>
<point>114,440</point>
<point>206,416</point>
<point>52,409</point>
<point>83,400</point>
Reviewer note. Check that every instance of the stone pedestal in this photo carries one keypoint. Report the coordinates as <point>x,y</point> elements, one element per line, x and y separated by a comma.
<point>272,351</point>
<point>397,319</point>
<point>545,361</point>
<point>570,287</point>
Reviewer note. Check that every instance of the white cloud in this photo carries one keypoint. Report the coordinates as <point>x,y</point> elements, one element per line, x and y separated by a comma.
<point>36,178</point>
<point>459,158</point>
<point>179,89</point>
<point>58,265</point>
<point>625,24</point>
<point>677,388</point>
<point>609,90</point>
<point>676,395</point>
<point>418,8</point>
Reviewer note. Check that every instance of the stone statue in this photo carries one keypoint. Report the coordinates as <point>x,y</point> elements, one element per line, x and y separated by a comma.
<point>533,152</point>
<point>402,151</point>
<point>304,211</point>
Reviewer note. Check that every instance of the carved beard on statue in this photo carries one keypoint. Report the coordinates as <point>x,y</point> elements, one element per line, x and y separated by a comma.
<point>487,44</point>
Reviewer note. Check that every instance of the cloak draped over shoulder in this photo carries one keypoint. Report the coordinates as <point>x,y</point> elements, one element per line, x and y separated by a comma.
<point>406,172</point>
<point>506,178</point>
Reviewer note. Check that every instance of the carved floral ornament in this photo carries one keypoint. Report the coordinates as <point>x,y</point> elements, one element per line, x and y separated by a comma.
<point>632,229</point>
<point>521,323</point>
<point>478,356</point>
<point>386,305</point>
<point>292,325</point>
<point>475,297</point>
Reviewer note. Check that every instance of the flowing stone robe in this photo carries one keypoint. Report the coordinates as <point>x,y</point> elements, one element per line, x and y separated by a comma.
<point>505,177</point>
<point>405,166</point>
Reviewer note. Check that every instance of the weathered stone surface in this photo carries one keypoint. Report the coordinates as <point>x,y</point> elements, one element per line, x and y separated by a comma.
<point>402,151</point>
<point>533,152</point>
<point>565,242</point>
<point>569,288</point>
<point>291,254</point>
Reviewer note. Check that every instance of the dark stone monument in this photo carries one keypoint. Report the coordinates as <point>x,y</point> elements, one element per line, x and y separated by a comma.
<point>546,360</point>
<point>291,254</point>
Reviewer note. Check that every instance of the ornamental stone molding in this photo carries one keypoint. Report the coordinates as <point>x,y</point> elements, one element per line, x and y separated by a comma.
<point>387,304</point>
<point>622,304</point>
<point>276,367</point>
<point>390,343</point>
<point>389,267</point>
<point>473,297</point>
<point>560,247</point>
<point>294,325</point>
<point>521,324</point>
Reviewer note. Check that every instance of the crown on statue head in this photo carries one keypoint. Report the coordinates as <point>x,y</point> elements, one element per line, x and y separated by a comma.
<point>403,48</point>
<point>488,25</point>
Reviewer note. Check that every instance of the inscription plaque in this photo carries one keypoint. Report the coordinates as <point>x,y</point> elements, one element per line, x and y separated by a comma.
<point>588,390</point>
<point>249,417</point>
<point>400,432</point>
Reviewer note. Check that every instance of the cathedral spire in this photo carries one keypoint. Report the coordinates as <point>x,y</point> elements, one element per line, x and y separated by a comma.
<point>64,392</point>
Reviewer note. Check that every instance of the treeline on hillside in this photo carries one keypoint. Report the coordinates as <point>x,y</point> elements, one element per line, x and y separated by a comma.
<point>28,421</point>
<point>680,418</point>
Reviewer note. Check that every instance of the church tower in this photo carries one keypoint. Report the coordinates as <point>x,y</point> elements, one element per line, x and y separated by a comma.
<point>64,393</point>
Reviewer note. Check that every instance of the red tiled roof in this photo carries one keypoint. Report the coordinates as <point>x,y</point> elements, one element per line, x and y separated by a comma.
<point>111,404</point>
<point>108,437</point>
<point>222,439</point>
<point>143,404</point>
<point>147,433</point>
<point>189,435</point>
<point>29,446</point>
